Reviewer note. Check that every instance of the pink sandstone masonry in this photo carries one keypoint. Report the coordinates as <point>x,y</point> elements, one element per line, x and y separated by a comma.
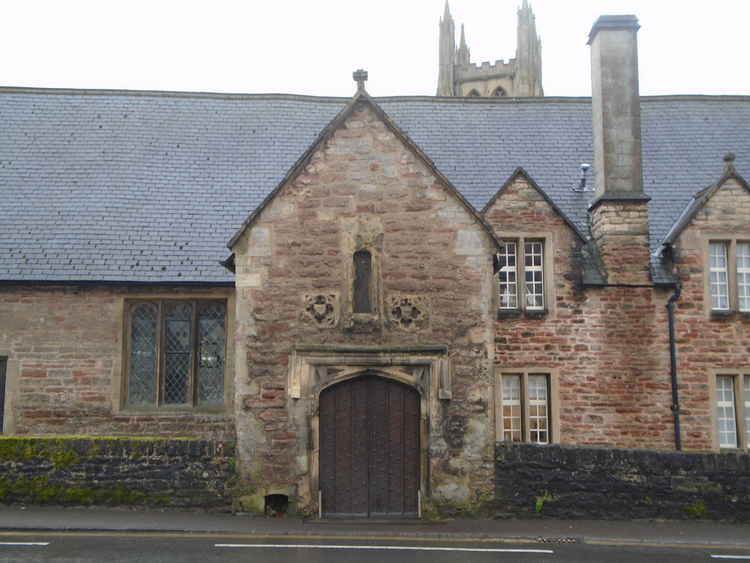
<point>708,344</point>
<point>67,353</point>
<point>364,188</point>
<point>607,347</point>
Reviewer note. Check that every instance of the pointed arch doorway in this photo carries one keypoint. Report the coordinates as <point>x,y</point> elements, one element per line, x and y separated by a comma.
<point>369,448</point>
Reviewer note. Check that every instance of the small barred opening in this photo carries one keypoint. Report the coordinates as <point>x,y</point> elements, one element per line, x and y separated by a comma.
<point>276,505</point>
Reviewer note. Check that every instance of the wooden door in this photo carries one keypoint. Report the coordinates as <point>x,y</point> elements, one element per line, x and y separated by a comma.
<point>369,449</point>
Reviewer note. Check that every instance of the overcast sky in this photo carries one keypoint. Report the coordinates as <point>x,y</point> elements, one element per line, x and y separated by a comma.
<point>312,47</point>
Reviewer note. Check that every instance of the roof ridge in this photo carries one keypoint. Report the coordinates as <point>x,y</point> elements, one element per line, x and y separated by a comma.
<point>39,90</point>
<point>166,94</point>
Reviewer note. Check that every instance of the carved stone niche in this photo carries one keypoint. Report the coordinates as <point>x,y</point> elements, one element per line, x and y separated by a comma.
<point>321,309</point>
<point>408,312</point>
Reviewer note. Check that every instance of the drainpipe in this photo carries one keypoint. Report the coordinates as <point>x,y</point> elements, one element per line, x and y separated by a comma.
<point>673,366</point>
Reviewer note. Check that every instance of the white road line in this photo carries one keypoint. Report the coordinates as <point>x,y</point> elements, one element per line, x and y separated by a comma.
<point>383,547</point>
<point>730,556</point>
<point>28,543</point>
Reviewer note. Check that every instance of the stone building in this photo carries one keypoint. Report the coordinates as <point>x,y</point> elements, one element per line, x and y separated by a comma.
<point>404,289</point>
<point>518,77</point>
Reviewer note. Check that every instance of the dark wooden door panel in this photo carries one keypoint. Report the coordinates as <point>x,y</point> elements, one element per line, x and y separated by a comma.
<point>369,448</point>
<point>359,451</point>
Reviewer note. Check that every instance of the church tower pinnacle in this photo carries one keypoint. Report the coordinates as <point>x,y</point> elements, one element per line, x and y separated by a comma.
<point>447,56</point>
<point>520,76</point>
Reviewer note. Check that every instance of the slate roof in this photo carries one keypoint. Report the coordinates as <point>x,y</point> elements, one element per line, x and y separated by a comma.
<point>149,186</point>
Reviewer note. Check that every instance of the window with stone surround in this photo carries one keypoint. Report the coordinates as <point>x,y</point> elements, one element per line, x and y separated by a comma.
<point>176,352</point>
<point>733,410</point>
<point>521,283</point>
<point>729,275</point>
<point>526,413</point>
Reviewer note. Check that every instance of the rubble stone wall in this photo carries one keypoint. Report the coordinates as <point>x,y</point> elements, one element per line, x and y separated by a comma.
<point>116,471</point>
<point>709,344</point>
<point>620,484</point>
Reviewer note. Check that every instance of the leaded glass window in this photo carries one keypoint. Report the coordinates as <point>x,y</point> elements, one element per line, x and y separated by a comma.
<point>211,339</point>
<point>143,343</point>
<point>176,353</point>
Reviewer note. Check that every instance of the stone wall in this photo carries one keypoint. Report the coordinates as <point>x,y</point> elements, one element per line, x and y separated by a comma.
<point>607,347</point>
<point>587,482</point>
<point>112,471</point>
<point>621,230</point>
<point>65,361</point>
<point>364,188</point>
<point>708,344</point>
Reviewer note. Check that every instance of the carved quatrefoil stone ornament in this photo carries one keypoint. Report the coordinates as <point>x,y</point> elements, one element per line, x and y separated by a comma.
<point>408,312</point>
<point>322,309</point>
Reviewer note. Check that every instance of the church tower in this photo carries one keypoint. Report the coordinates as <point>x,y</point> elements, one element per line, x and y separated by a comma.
<point>521,76</point>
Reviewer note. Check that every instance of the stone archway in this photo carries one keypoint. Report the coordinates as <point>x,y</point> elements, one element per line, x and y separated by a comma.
<point>369,448</point>
<point>425,369</point>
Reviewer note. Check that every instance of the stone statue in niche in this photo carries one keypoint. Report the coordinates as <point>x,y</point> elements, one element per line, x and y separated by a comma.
<point>321,309</point>
<point>408,312</point>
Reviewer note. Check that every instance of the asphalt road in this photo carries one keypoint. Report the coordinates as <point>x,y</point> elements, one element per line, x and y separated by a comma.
<point>113,547</point>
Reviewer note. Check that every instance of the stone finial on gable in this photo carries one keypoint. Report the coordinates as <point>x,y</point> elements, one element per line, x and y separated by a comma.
<point>729,169</point>
<point>360,77</point>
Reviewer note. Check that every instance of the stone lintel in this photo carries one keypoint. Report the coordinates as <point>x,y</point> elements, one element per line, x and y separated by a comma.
<point>364,349</point>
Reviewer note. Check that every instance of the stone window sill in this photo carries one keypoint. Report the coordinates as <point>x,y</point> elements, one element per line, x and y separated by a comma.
<point>521,314</point>
<point>729,315</point>
<point>170,411</point>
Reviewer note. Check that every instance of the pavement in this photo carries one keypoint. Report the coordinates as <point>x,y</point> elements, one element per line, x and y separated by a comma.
<point>640,532</point>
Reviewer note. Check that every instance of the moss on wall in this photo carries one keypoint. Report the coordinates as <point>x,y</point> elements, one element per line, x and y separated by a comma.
<point>116,470</point>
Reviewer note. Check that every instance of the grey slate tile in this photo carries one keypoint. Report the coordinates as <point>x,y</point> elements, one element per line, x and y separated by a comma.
<point>140,187</point>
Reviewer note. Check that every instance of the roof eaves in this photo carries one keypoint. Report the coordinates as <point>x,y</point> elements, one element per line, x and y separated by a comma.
<point>696,204</point>
<point>109,282</point>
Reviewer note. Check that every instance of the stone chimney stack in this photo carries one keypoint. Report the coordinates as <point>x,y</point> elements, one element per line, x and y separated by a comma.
<point>620,211</point>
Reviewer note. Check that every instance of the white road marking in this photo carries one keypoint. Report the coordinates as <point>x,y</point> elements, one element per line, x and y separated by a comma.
<point>31,543</point>
<point>384,547</point>
<point>730,556</point>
